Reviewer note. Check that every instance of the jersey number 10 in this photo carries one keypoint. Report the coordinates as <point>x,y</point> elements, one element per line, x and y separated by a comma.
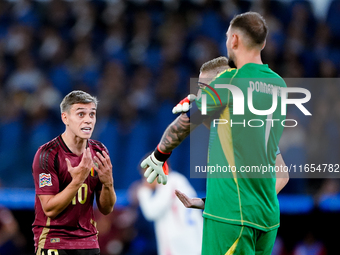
<point>82,194</point>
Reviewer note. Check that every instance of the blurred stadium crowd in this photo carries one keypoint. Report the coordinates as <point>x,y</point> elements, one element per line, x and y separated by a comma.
<point>138,57</point>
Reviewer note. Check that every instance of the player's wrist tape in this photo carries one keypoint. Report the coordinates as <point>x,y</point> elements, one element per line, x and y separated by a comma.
<point>161,156</point>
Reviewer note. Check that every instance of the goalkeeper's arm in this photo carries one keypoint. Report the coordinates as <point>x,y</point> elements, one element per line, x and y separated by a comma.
<point>173,136</point>
<point>180,128</point>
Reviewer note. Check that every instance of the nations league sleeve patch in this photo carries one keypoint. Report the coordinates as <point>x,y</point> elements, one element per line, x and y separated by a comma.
<point>45,180</point>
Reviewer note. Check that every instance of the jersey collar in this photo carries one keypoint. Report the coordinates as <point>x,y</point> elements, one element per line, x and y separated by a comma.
<point>64,146</point>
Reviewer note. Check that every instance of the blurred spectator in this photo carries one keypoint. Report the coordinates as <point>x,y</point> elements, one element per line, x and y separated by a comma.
<point>111,89</point>
<point>168,85</point>
<point>144,242</point>
<point>178,229</point>
<point>322,41</point>
<point>332,20</point>
<point>328,195</point>
<point>116,230</point>
<point>11,134</point>
<point>40,107</point>
<point>317,144</point>
<point>327,69</point>
<point>83,65</point>
<point>278,248</point>
<point>141,95</point>
<point>202,50</point>
<point>11,240</point>
<point>85,16</point>
<point>293,143</point>
<point>27,76</point>
<point>51,44</point>
<point>114,46</point>
<point>141,37</point>
<point>18,39</point>
<point>310,246</point>
<point>172,36</point>
<point>24,12</point>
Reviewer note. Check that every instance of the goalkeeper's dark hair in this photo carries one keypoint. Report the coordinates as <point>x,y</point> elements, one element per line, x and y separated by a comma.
<point>218,65</point>
<point>76,97</point>
<point>253,25</point>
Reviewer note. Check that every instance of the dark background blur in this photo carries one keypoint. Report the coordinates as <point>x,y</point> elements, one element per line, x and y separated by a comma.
<point>138,57</point>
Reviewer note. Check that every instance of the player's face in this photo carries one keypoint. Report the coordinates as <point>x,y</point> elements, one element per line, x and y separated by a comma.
<point>81,119</point>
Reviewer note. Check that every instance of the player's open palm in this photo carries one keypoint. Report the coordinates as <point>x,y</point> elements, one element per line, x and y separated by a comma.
<point>103,168</point>
<point>189,202</point>
<point>79,173</point>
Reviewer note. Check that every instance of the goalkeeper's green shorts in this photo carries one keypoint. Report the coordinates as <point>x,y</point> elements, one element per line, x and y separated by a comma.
<point>227,239</point>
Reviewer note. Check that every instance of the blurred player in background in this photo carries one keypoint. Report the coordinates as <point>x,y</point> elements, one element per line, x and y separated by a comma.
<point>11,239</point>
<point>67,172</point>
<point>178,230</point>
<point>241,215</point>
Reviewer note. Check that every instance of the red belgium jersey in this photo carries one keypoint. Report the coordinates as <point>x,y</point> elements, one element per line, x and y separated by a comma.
<point>75,227</point>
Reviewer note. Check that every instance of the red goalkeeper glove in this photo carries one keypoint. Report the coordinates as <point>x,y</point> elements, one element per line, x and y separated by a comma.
<point>184,105</point>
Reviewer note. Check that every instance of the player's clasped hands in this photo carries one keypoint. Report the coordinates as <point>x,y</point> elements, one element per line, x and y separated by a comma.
<point>79,173</point>
<point>103,167</point>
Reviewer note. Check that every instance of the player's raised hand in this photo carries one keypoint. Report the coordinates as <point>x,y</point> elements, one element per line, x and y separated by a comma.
<point>196,203</point>
<point>156,167</point>
<point>103,168</point>
<point>79,173</point>
<point>154,170</point>
<point>184,105</point>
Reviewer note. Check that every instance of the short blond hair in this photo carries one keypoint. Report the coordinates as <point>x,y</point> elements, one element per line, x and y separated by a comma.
<point>77,97</point>
<point>217,65</point>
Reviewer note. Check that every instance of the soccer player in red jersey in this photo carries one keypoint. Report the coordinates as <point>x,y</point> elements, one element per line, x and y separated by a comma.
<point>67,172</point>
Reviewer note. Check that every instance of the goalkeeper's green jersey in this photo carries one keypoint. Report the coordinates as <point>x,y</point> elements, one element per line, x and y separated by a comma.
<point>240,145</point>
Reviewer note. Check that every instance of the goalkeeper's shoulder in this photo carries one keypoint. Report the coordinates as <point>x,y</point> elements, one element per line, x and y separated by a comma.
<point>224,76</point>
<point>230,72</point>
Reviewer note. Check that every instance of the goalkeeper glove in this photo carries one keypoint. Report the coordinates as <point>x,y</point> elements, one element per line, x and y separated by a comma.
<point>184,105</point>
<point>157,166</point>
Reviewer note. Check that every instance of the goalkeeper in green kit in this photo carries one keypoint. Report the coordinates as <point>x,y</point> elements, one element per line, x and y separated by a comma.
<point>241,211</point>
